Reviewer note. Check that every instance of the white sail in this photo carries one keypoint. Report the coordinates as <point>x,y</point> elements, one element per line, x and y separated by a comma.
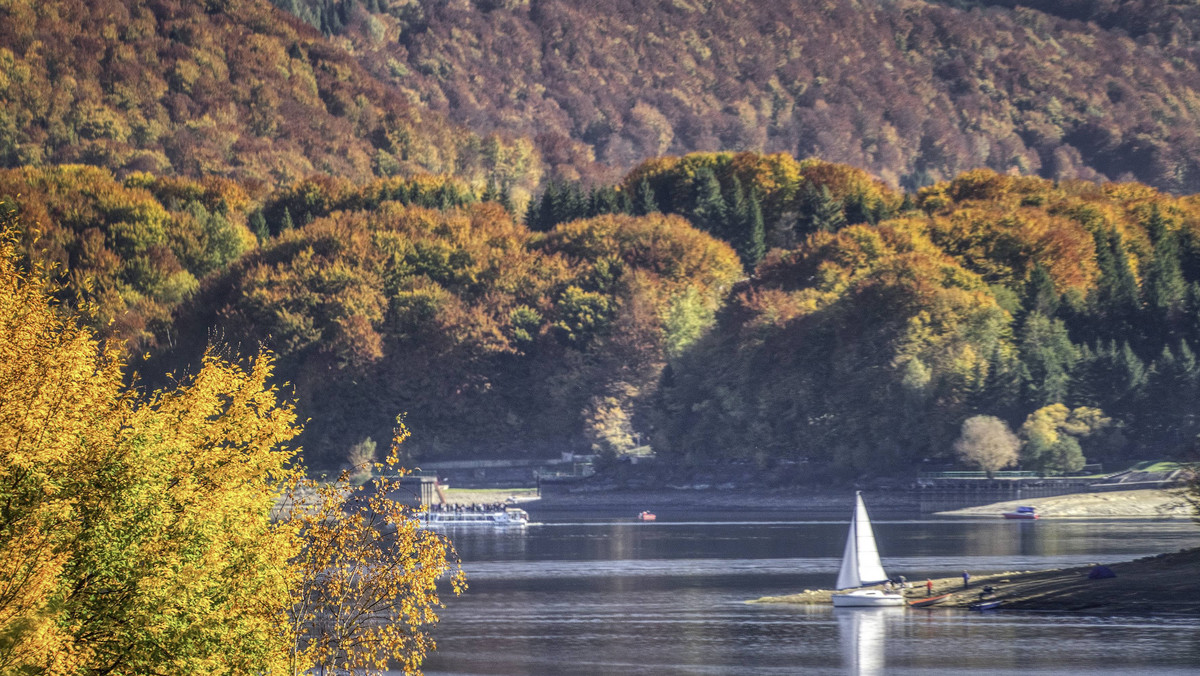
<point>860,562</point>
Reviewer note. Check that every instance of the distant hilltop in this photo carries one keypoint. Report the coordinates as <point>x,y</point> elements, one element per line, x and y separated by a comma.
<point>913,91</point>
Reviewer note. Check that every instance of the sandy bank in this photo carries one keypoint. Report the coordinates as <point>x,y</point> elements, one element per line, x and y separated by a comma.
<point>1163,584</point>
<point>1149,503</point>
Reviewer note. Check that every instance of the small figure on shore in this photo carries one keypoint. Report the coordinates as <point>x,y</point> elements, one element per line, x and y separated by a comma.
<point>966,579</point>
<point>928,587</point>
<point>903,582</point>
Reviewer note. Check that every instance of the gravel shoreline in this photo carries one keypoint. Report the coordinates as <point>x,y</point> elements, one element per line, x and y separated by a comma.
<point>1166,584</point>
<point>1146,503</point>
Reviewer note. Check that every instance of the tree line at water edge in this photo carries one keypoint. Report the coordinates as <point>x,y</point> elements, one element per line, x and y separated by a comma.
<point>722,305</point>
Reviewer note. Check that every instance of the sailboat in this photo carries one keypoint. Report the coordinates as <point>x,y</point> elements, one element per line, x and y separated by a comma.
<point>861,566</point>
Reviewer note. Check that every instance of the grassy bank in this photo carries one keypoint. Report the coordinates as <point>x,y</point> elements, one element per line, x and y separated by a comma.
<point>1163,584</point>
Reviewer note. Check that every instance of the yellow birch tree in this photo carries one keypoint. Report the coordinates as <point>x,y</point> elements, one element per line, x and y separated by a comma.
<point>137,532</point>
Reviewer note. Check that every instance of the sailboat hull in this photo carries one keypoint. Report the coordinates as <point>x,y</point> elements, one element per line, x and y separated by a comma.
<point>867,598</point>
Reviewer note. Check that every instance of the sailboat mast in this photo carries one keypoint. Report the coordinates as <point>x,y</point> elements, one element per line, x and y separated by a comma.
<point>860,561</point>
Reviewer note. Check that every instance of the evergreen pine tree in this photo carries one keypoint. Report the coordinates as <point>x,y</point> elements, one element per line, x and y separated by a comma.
<point>258,225</point>
<point>445,198</point>
<point>739,212</point>
<point>736,227</point>
<point>857,210</point>
<point>286,223</point>
<point>1040,295</point>
<point>644,202</point>
<point>490,194</point>
<point>1187,361</point>
<point>1133,369</point>
<point>1048,357</point>
<point>505,199</point>
<point>535,214</point>
<point>624,202</point>
<point>1126,290</point>
<point>572,205</point>
<point>605,200</point>
<point>710,212</point>
<point>1166,290</point>
<point>345,11</point>
<point>755,235</point>
<point>1115,299</point>
<point>828,214</point>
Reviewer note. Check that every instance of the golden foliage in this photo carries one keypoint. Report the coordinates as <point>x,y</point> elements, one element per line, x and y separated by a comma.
<point>367,578</point>
<point>232,89</point>
<point>137,534</point>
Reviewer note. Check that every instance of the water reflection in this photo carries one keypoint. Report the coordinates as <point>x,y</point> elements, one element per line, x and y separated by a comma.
<point>599,598</point>
<point>863,632</point>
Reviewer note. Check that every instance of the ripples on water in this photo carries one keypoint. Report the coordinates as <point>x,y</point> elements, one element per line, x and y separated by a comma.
<point>587,598</point>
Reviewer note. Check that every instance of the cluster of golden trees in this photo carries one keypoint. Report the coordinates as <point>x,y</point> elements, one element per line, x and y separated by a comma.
<point>468,321</point>
<point>986,295</point>
<point>1041,303</point>
<point>137,532</point>
<point>1049,439</point>
<point>232,88</point>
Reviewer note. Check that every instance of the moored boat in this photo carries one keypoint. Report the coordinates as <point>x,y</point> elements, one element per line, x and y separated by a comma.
<point>861,566</point>
<point>507,517</point>
<point>1022,513</point>
<point>984,605</point>
<point>646,516</point>
<point>868,598</point>
<point>928,601</point>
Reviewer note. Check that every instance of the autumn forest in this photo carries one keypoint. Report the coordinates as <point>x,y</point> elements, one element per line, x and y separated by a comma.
<point>753,233</point>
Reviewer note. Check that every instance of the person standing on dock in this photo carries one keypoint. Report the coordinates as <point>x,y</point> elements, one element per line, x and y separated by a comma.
<point>928,587</point>
<point>966,579</point>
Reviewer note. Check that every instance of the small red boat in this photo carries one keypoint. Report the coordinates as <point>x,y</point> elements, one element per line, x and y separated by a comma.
<point>928,601</point>
<point>1025,513</point>
<point>646,516</point>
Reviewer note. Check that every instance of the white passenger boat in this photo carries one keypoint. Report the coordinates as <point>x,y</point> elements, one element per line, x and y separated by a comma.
<point>508,517</point>
<point>861,566</point>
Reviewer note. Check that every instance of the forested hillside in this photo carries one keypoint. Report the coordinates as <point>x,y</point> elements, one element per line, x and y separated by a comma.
<point>838,320</point>
<point>912,91</point>
<point>231,88</point>
<point>1066,309</point>
<point>495,341</point>
<point>226,175</point>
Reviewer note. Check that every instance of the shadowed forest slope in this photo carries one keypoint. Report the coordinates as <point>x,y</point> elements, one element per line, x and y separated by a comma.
<point>912,91</point>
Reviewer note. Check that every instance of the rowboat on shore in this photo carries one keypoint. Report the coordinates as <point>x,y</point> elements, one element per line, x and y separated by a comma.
<point>984,605</point>
<point>928,601</point>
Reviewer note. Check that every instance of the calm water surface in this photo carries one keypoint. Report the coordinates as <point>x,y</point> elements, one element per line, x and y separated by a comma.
<point>579,596</point>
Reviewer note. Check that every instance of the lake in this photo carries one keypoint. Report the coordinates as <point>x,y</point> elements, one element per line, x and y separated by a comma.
<point>608,595</point>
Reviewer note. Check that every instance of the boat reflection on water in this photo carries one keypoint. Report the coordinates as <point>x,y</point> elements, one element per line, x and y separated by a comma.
<point>863,634</point>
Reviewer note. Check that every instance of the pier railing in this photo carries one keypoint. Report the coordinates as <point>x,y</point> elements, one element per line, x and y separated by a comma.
<point>979,475</point>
